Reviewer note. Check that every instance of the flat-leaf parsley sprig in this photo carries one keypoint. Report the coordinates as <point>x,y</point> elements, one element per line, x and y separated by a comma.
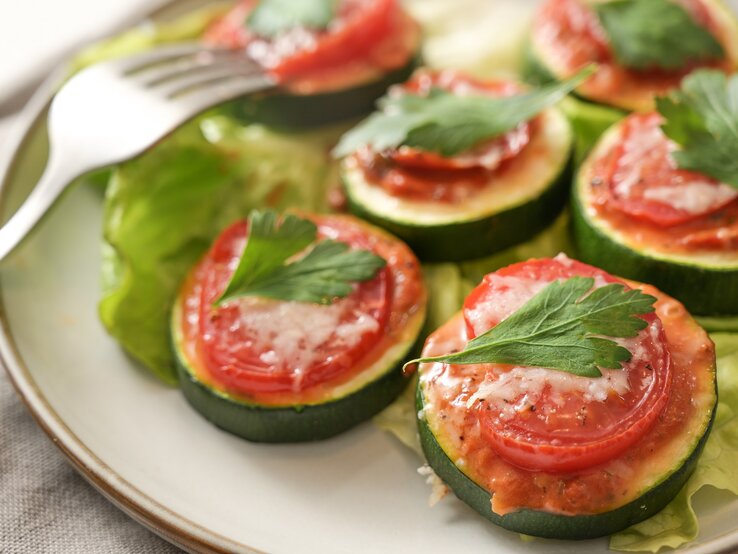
<point>648,34</point>
<point>271,17</point>
<point>324,273</point>
<point>448,123</point>
<point>702,118</point>
<point>564,327</point>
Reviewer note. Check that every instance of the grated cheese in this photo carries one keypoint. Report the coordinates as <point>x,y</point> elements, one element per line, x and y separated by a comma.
<point>694,197</point>
<point>296,335</point>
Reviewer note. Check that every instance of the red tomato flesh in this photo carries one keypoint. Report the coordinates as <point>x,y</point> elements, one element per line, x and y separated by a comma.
<point>366,38</point>
<point>274,351</point>
<point>545,427</point>
<point>408,172</point>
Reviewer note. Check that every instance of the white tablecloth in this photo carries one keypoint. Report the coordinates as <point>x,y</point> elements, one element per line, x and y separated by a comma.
<point>46,506</point>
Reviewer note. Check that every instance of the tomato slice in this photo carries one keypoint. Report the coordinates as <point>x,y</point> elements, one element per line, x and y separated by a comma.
<point>548,420</point>
<point>255,345</point>
<point>408,172</point>
<point>645,183</point>
<point>362,31</point>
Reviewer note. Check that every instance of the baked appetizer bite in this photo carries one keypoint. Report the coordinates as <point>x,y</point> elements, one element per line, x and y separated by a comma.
<point>295,328</point>
<point>641,47</point>
<point>333,58</point>
<point>458,167</point>
<point>657,199</point>
<point>564,402</point>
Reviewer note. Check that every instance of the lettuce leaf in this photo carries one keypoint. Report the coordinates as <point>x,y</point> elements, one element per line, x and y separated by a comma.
<point>148,35</point>
<point>163,210</point>
<point>718,324</point>
<point>718,467</point>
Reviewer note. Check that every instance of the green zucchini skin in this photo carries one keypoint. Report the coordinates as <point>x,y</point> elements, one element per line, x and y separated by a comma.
<point>293,423</point>
<point>557,526</point>
<point>476,238</point>
<point>703,290</point>
<point>295,112</point>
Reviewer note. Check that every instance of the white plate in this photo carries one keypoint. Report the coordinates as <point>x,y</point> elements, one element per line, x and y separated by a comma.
<point>142,446</point>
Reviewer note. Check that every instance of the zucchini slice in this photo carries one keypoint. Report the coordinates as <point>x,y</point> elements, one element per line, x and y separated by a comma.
<point>518,203</point>
<point>626,89</point>
<point>618,492</point>
<point>705,281</point>
<point>327,405</point>
<point>328,72</point>
<point>295,112</point>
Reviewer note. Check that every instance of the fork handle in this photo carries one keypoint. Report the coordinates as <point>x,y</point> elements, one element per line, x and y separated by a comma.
<point>53,181</point>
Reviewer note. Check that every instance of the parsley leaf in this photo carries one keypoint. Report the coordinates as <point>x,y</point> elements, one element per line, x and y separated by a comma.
<point>323,274</point>
<point>561,328</point>
<point>645,34</point>
<point>447,123</point>
<point>272,17</point>
<point>702,117</point>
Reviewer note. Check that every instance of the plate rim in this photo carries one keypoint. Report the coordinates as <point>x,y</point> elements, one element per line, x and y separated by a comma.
<point>139,506</point>
<point>161,520</point>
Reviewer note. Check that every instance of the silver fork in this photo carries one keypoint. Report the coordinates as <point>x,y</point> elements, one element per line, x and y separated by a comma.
<point>115,110</point>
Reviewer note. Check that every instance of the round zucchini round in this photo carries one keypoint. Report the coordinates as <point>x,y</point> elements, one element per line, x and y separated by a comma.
<point>294,112</point>
<point>557,526</point>
<point>660,473</point>
<point>273,400</point>
<point>706,285</point>
<point>341,409</point>
<point>541,65</point>
<point>518,204</point>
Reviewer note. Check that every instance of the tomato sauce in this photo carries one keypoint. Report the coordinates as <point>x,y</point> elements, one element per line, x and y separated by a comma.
<point>415,174</point>
<point>636,187</point>
<point>571,32</point>
<point>271,351</point>
<point>602,486</point>
<point>367,39</point>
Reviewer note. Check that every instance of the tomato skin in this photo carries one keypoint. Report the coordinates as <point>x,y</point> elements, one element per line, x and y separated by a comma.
<point>366,38</point>
<point>568,432</point>
<point>257,349</point>
<point>408,172</point>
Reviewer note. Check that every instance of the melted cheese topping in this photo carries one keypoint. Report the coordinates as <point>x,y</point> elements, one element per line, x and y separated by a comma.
<point>638,147</point>
<point>694,197</point>
<point>520,388</point>
<point>292,334</point>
